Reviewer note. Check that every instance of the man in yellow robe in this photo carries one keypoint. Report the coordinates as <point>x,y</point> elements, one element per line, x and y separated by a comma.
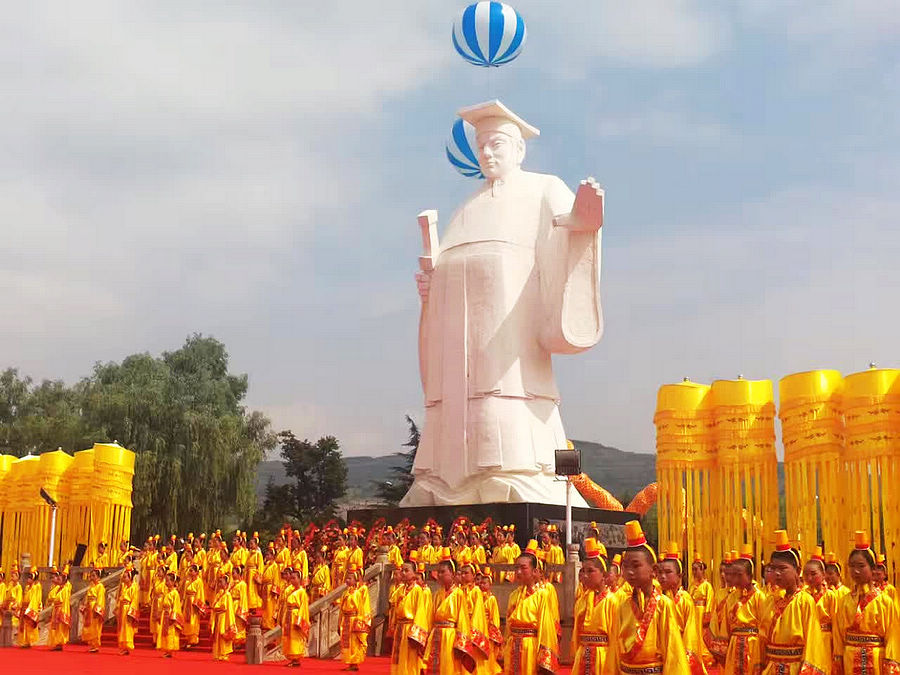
<point>171,619</point>
<point>356,619</point>
<point>593,615</point>
<point>412,624</point>
<point>253,568</point>
<point>127,612</point>
<point>193,607</point>
<point>295,621</point>
<point>93,611</point>
<point>29,610</point>
<point>238,592</point>
<point>644,632</point>
<point>531,638</point>
<point>60,615</point>
<point>448,647</point>
<point>270,590</point>
<point>339,561</point>
<point>222,621</point>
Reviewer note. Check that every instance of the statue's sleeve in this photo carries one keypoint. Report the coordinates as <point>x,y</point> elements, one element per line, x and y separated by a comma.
<point>569,269</point>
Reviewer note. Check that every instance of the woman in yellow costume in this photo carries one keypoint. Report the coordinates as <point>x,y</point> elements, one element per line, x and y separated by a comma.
<point>703,596</point>
<point>555,555</point>
<point>593,616</point>
<point>29,610</point>
<point>222,626</point>
<point>356,617</point>
<point>270,589</point>
<point>253,576</point>
<point>865,627</point>
<point>295,622</point>
<point>148,571</point>
<point>320,582</point>
<point>411,624</point>
<point>338,561</point>
<point>531,638</point>
<point>13,596</point>
<point>670,574</point>
<point>157,590</point>
<point>355,556</point>
<point>510,552</point>
<point>171,620</point>
<point>644,632</point>
<point>193,607</point>
<point>93,611</point>
<point>492,619</point>
<point>238,592</point>
<point>60,614</point>
<point>300,559</point>
<point>238,551</point>
<point>448,648</point>
<point>127,612</point>
<point>478,628</point>
<point>743,616</point>
<point>395,557</point>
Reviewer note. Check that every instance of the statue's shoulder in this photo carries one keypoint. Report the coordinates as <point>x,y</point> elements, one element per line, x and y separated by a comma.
<point>545,180</point>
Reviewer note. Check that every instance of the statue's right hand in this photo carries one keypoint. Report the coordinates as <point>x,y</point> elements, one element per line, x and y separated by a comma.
<point>423,282</point>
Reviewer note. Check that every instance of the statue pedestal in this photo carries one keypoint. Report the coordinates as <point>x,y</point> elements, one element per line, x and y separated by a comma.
<point>525,516</point>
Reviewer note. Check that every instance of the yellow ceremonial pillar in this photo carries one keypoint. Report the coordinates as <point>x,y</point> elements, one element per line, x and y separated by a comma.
<point>744,413</point>
<point>51,469</point>
<point>871,407</point>
<point>79,529</point>
<point>685,464</point>
<point>6,518</point>
<point>22,483</point>
<point>113,479</point>
<point>812,429</point>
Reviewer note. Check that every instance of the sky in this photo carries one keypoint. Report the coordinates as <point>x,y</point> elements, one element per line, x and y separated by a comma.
<point>252,171</point>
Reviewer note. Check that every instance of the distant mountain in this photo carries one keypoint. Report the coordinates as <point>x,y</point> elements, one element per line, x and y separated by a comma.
<point>622,473</point>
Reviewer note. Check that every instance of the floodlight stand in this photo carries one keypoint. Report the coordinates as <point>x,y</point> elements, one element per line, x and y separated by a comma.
<point>52,535</point>
<point>568,512</point>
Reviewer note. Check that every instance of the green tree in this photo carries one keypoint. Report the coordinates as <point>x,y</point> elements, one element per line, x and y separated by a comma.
<point>318,481</point>
<point>391,491</point>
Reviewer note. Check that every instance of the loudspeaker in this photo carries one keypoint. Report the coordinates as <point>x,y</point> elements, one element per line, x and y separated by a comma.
<point>568,462</point>
<point>80,550</point>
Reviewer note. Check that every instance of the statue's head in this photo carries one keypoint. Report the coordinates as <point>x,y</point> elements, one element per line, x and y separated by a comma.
<point>500,136</point>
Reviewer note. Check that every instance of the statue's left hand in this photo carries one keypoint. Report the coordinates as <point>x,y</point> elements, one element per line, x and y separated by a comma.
<point>587,212</point>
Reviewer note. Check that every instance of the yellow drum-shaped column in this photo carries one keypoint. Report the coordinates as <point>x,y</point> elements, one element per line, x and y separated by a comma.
<point>812,430</point>
<point>79,529</point>
<point>6,515</point>
<point>113,479</point>
<point>22,475</point>
<point>871,406</point>
<point>52,466</point>
<point>684,465</point>
<point>744,411</point>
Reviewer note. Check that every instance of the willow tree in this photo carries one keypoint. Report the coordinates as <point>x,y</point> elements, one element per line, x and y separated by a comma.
<point>197,446</point>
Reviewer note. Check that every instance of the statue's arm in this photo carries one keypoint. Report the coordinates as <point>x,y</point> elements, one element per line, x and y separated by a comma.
<point>569,268</point>
<point>427,221</point>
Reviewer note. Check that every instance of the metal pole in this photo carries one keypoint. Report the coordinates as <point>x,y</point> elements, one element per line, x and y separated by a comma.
<point>52,536</point>
<point>568,512</point>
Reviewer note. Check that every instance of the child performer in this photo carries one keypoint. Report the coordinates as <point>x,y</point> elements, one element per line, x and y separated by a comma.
<point>593,615</point>
<point>645,636</point>
<point>295,621</point>
<point>531,638</point>
<point>743,614</point>
<point>238,590</point>
<point>320,582</point>
<point>478,630</point>
<point>355,619</point>
<point>492,617</point>
<point>270,590</point>
<point>448,651</point>
<point>703,595</point>
<point>29,610</point>
<point>93,609</point>
<point>193,606</point>
<point>171,620</point>
<point>222,621</point>
<point>824,597</point>
<point>865,629</point>
<point>60,619</point>
<point>671,571</point>
<point>127,612</point>
<point>412,623</point>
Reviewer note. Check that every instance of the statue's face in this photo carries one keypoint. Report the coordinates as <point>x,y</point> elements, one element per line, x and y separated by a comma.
<point>499,154</point>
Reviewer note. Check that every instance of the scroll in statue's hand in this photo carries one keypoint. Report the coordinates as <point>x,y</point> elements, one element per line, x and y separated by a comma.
<point>587,212</point>
<point>423,282</point>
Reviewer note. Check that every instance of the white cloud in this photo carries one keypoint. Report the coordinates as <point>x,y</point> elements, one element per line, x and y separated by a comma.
<point>833,25</point>
<point>664,127</point>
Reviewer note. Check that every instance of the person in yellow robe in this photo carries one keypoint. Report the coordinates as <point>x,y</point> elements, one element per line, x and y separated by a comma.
<point>790,625</point>
<point>187,559</point>
<point>448,648</point>
<point>170,557</point>
<point>865,627</point>
<point>282,553</point>
<point>101,559</point>
<point>531,639</point>
<point>171,620</point>
<point>479,556</point>
<point>555,554</point>
<point>743,615</point>
<point>58,598</point>
<point>703,596</point>
<point>238,591</point>
<point>880,577</point>
<point>212,570</point>
<point>715,633</point>
<point>12,600</point>
<point>670,575</point>
<point>253,575</point>
<point>270,589</point>
<point>127,611</point>
<point>2,595</point>
<point>389,539</point>
<point>295,620</point>
<point>511,553</point>
<point>157,590</point>
<point>148,572</point>
<point>593,615</point>
<point>339,561</point>
<point>356,619</point>
<point>238,551</point>
<point>320,582</point>
<point>814,584</point>
<point>644,633</point>
<point>300,560</point>
<point>93,611</point>
<point>355,556</point>
<point>222,622</point>
<point>125,555</point>
<point>29,610</point>
<point>478,628</point>
<point>412,624</point>
<point>193,607</point>
<point>492,618</point>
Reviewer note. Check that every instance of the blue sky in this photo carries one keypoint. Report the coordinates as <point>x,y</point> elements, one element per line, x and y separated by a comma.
<point>254,171</point>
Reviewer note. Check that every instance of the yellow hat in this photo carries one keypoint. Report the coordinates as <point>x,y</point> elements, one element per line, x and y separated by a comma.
<point>881,560</point>
<point>532,547</point>
<point>486,571</point>
<point>634,538</point>
<point>414,556</point>
<point>728,558</point>
<point>591,548</point>
<point>861,540</point>
<point>818,556</point>
<point>617,559</point>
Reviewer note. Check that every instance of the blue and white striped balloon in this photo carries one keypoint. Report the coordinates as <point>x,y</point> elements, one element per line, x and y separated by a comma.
<point>489,34</point>
<point>461,149</point>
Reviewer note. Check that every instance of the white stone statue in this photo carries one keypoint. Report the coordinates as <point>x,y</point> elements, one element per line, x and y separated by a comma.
<point>514,280</point>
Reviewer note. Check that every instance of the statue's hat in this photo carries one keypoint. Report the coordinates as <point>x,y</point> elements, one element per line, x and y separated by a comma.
<point>493,115</point>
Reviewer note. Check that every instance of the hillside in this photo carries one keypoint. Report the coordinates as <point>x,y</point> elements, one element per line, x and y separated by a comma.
<point>622,473</point>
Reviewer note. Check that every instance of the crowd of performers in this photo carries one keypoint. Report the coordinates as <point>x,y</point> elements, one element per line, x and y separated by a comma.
<point>632,613</point>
